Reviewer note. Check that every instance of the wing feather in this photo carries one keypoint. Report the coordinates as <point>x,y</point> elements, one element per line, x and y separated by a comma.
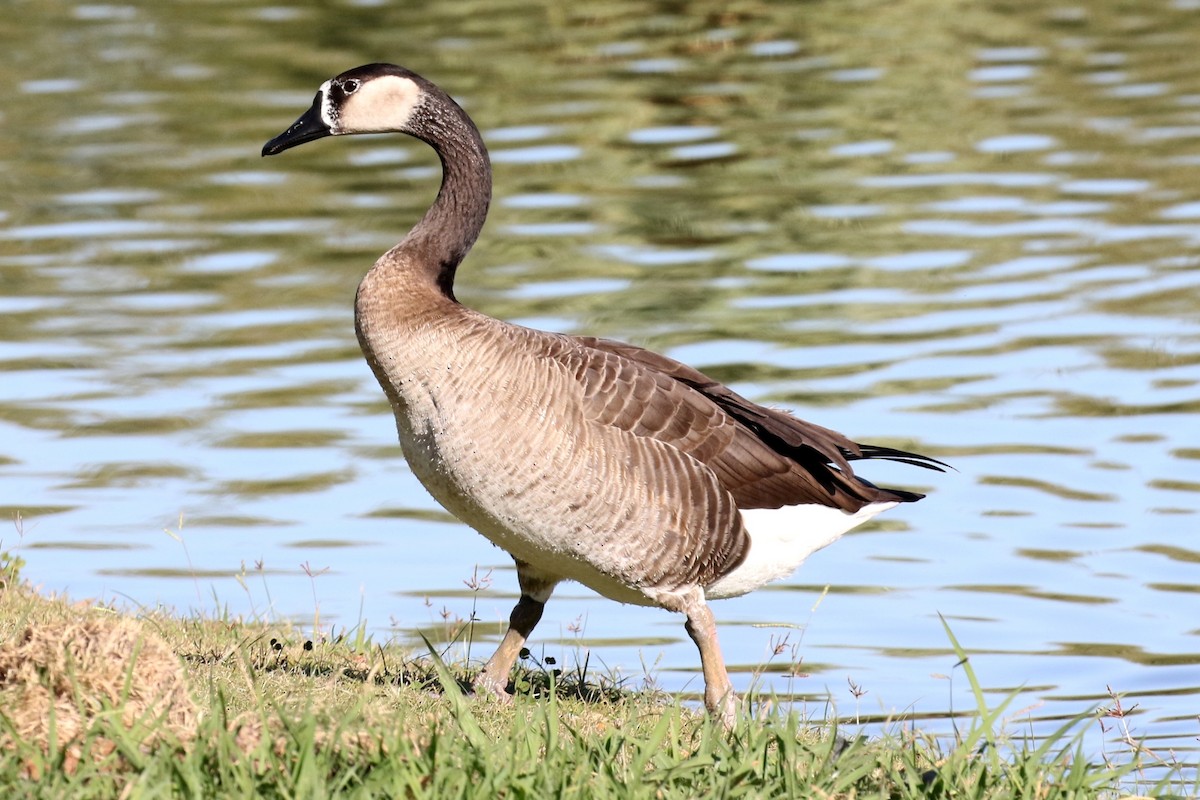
<point>763,457</point>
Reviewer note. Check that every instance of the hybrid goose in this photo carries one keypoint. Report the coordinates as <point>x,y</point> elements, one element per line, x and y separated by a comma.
<point>586,459</point>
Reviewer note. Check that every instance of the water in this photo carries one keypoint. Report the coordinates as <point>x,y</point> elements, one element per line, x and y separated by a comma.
<point>969,234</point>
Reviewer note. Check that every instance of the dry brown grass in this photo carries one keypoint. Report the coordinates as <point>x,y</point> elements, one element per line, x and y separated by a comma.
<point>84,667</point>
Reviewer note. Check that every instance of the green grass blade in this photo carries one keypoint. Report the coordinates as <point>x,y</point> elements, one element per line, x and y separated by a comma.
<point>458,703</point>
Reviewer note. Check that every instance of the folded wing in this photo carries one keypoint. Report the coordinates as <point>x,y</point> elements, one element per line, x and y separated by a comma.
<point>764,458</point>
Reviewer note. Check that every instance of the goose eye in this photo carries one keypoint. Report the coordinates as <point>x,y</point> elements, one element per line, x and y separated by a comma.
<point>351,86</point>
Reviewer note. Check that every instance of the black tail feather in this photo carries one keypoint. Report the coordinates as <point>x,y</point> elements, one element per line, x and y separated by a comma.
<point>903,456</point>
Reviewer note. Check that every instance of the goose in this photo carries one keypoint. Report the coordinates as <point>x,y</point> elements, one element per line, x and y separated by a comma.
<point>585,459</point>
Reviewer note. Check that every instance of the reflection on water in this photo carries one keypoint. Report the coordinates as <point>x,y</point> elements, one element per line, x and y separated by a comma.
<point>968,234</point>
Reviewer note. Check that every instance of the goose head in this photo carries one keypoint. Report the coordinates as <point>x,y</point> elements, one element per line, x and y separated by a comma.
<point>375,98</point>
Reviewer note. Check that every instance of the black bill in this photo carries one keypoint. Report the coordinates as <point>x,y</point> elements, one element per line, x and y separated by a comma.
<point>310,126</point>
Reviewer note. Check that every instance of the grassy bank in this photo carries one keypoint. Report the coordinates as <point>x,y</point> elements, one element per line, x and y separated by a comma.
<point>94,703</point>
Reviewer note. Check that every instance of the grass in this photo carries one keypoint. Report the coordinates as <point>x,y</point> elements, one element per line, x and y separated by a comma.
<point>98,704</point>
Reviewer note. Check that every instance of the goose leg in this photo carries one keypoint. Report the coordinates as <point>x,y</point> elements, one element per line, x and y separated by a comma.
<point>535,591</point>
<point>719,697</point>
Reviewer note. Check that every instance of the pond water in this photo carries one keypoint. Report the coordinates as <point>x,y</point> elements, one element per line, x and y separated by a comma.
<point>972,234</point>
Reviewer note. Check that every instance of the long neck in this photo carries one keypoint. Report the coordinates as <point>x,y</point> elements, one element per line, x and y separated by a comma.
<point>440,241</point>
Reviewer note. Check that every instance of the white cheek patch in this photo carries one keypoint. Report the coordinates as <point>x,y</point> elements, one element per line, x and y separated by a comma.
<point>328,113</point>
<point>381,104</point>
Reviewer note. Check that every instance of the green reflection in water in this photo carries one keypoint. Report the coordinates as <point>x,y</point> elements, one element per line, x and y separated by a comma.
<point>458,593</point>
<point>424,515</point>
<point>127,474</point>
<point>1033,593</point>
<point>283,439</point>
<point>1075,406</point>
<point>230,521</point>
<point>81,546</point>
<point>324,544</point>
<point>1176,485</point>
<point>32,512</point>
<point>294,395</point>
<point>1049,555</point>
<point>1186,588</point>
<point>134,425</point>
<point>1181,554</point>
<point>175,572</point>
<point>1130,653</point>
<point>816,589</point>
<point>290,485</point>
<point>1047,487</point>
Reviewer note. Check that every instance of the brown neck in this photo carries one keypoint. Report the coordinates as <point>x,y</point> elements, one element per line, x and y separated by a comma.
<point>439,242</point>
